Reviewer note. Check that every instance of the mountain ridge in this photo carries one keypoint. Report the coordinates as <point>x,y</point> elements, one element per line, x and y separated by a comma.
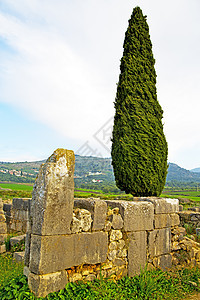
<point>86,167</point>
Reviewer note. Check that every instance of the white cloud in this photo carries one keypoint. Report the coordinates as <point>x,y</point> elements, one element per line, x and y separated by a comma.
<point>66,63</point>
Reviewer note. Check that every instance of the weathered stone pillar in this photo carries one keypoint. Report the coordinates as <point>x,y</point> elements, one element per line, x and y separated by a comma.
<point>51,213</point>
<point>3,228</point>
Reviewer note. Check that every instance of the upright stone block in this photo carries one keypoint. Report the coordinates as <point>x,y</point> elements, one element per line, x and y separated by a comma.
<point>159,242</point>
<point>42,285</point>
<point>53,195</point>
<point>137,215</point>
<point>98,209</point>
<point>137,252</point>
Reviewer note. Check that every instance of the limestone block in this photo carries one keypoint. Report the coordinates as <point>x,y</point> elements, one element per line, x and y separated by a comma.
<point>162,221</point>
<point>137,215</point>
<point>75,277</point>
<point>81,220</point>
<point>137,252</point>
<point>26,271</point>
<point>50,254</point>
<point>21,203</point>
<point>2,238</point>
<point>42,285</point>
<point>53,193</point>
<point>159,242</point>
<point>164,262</point>
<point>2,217</point>
<point>115,235</point>
<point>18,256</point>
<point>117,222</point>
<point>3,228</point>
<point>175,220</point>
<point>164,205</point>
<point>98,209</point>
<point>2,248</point>
<point>17,239</point>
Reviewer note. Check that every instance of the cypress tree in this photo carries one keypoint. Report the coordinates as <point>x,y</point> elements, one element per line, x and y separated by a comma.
<point>139,148</point>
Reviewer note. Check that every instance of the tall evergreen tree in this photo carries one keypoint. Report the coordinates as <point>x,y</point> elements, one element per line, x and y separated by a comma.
<point>139,148</point>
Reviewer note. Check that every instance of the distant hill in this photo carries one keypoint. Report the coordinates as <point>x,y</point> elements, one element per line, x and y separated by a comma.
<point>197,170</point>
<point>90,172</point>
<point>180,174</point>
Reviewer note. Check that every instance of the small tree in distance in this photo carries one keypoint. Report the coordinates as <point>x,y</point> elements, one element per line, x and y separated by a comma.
<point>139,148</point>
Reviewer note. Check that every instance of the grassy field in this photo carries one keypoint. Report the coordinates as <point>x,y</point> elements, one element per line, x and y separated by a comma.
<point>16,186</point>
<point>14,190</point>
<point>187,198</point>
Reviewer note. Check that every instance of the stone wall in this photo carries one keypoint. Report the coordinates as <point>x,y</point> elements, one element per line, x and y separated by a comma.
<point>3,228</point>
<point>77,239</point>
<point>190,216</point>
<point>17,215</point>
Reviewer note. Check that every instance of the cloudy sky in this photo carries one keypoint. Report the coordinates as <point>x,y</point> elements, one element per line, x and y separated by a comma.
<point>59,65</point>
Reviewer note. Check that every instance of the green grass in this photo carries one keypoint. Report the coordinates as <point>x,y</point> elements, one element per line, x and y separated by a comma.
<point>154,284</point>
<point>16,186</point>
<point>9,269</point>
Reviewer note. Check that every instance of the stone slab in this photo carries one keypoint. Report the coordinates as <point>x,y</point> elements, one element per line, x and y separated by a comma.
<point>175,220</point>
<point>21,203</point>
<point>18,256</point>
<point>53,195</point>
<point>2,238</point>
<point>163,205</point>
<point>42,285</point>
<point>137,254</point>
<point>164,262</point>
<point>2,248</point>
<point>50,254</point>
<point>137,215</point>
<point>97,208</point>
<point>162,221</point>
<point>3,228</point>
<point>159,242</point>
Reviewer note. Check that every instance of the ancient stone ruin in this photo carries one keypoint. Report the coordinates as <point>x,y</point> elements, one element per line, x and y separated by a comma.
<point>78,239</point>
<point>3,228</point>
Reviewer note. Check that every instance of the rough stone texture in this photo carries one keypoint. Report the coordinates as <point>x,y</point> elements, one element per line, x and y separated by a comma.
<point>137,215</point>
<point>42,285</point>
<point>18,256</point>
<point>175,220</point>
<point>137,255</point>
<point>3,227</point>
<point>17,239</point>
<point>2,248</point>
<point>162,221</point>
<point>159,242</point>
<point>27,249</point>
<point>164,262</point>
<point>97,208</point>
<point>53,194</point>
<point>164,205</point>
<point>117,222</point>
<point>53,253</point>
<point>115,235</point>
<point>81,220</point>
